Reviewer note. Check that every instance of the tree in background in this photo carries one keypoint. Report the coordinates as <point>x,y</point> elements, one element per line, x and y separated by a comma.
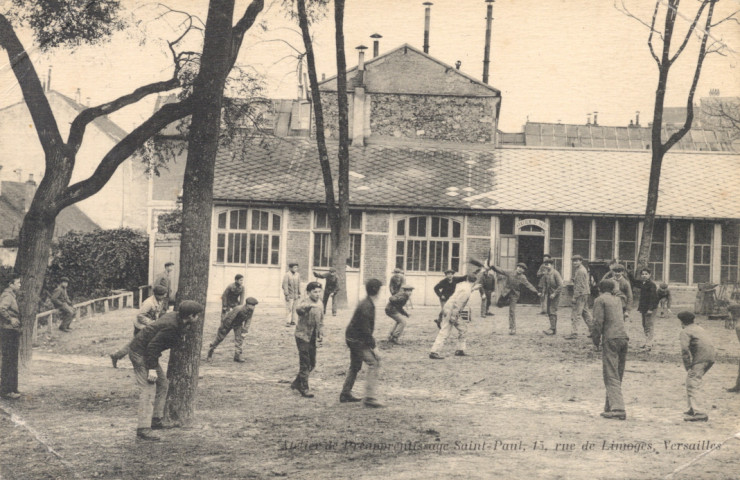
<point>660,39</point>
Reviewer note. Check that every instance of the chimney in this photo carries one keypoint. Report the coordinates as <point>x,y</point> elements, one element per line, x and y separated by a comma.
<point>376,43</point>
<point>427,14</point>
<point>361,64</point>
<point>19,173</point>
<point>596,116</point>
<point>78,96</point>
<point>29,193</point>
<point>487,50</point>
<point>48,80</point>
<point>358,101</point>
<point>588,120</point>
<point>458,64</point>
<point>637,118</point>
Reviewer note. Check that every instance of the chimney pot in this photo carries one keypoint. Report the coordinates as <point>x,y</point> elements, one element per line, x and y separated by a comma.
<point>427,15</point>
<point>596,116</point>
<point>487,47</point>
<point>376,43</point>
<point>458,64</point>
<point>637,118</point>
<point>588,119</point>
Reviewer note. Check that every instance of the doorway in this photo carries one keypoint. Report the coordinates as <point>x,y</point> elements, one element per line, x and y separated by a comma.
<point>530,250</point>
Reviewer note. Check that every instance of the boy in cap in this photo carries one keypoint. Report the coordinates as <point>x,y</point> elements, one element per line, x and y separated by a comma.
<point>581,291</point>
<point>165,279</point>
<point>609,324</point>
<point>664,299</point>
<point>307,332</point>
<point>144,352</point>
<point>488,286</point>
<point>359,338</point>
<point>149,311</point>
<point>61,301</point>
<point>551,284</point>
<point>451,318</point>
<point>331,287</point>
<point>444,290</point>
<point>292,292</point>
<point>623,289</point>
<point>514,282</point>
<point>540,280</point>
<point>237,319</point>
<point>698,356</point>
<point>395,310</point>
<point>233,295</point>
<point>647,305</point>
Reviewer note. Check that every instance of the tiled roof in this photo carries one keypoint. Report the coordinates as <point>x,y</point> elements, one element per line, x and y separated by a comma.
<point>12,199</point>
<point>105,124</point>
<point>383,175</point>
<point>467,176</point>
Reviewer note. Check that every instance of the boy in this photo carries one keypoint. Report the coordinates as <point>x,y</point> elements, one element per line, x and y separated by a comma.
<point>165,279</point>
<point>698,355</point>
<point>451,318</point>
<point>233,295</point>
<point>664,299</point>
<point>541,272</point>
<point>10,334</point>
<point>581,291</point>
<point>238,319</point>
<point>552,285</point>
<point>331,287</point>
<point>292,292</point>
<point>514,282</point>
<point>623,289</point>
<point>307,332</point>
<point>647,305</point>
<point>395,310</point>
<point>609,324</point>
<point>149,312</point>
<point>444,290</point>
<point>61,301</point>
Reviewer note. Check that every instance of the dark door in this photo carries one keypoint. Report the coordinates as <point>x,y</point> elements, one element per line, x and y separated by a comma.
<point>530,251</point>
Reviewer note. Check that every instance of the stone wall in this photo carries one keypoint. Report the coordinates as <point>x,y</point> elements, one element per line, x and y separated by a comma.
<point>376,252</point>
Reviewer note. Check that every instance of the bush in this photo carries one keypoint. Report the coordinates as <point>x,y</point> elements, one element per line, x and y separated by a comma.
<point>170,222</point>
<point>98,262</point>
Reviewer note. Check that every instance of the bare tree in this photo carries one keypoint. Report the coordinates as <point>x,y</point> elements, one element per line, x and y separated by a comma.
<point>722,115</point>
<point>701,25</point>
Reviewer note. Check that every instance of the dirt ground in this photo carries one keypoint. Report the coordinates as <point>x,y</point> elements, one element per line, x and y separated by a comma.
<point>524,406</point>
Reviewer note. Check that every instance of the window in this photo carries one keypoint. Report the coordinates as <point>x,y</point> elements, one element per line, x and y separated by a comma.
<point>322,240</point>
<point>582,237</point>
<point>657,249</point>
<point>557,227</point>
<point>428,244</point>
<point>259,244</point>
<point>702,252</point>
<point>506,225</point>
<point>604,239</point>
<point>627,243</point>
<point>729,263</point>
<point>678,272</point>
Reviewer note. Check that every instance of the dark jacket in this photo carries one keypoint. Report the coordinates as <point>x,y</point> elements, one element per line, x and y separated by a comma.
<point>233,296</point>
<point>394,285</point>
<point>154,339</point>
<point>9,309</point>
<point>397,302</point>
<point>310,320</point>
<point>164,280</point>
<point>488,281</point>
<point>514,280</point>
<point>551,283</point>
<point>608,318</point>
<point>445,288</point>
<point>648,297</point>
<point>237,316</point>
<point>360,329</point>
<point>332,281</point>
<point>60,298</point>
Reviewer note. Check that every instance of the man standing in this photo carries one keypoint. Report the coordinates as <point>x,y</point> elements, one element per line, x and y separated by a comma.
<point>647,305</point>
<point>514,282</point>
<point>541,272</point>
<point>395,310</point>
<point>307,333</point>
<point>238,319</point>
<point>359,338</point>
<point>396,281</point>
<point>233,296</point>
<point>623,289</point>
<point>552,285</point>
<point>698,355</point>
<point>61,301</point>
<point>609,324</point>
<point>444,290</point>
<point>664,299</point>
<point>451,318</point>
<point>292,292</point>
<point>488,286</point>
<point>149,311</point>
<point>165,279</point>
<point>331,287</point>
<point>581,291</point>
<point>145,350</point>
<point>10,332</point>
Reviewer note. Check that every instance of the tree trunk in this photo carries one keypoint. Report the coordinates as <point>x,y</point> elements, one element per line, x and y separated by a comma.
<point>197,205</point>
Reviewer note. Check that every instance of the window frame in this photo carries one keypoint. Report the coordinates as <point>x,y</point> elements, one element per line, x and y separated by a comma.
<point>226,234</point>
<point>428,235</point>
<point>321,236</point>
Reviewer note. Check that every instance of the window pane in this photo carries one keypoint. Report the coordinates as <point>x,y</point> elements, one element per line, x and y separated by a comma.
<point>701,273</point>
<point>439,253</point>
<point>678,273</point>
<point>557,227</point>
<point>221,246</point>
<point>581,247</point>
<point>455,257</point>
<point>234,219</point>
<point>679,232</point>
<point>321,219</point>
<point>416,256</point>
<point>401,228</point>
<point>628,230</point>
<point>604,229</point>
<point>435,226</point>
<point>556,248</point>
<point>679,253</point>
<point>414,226</point>
<point>275,250</point>
<point>422,228</point>
<point>355,221</point>
<point>399,254</point>
<point>276,223</point>
<point>582,228</point>
<point>703,233</point>
<point>506,225</point>
<point>355,249</point>
<point>321,250</point>
<point>455,229</point>
<point>222,220</point>
<point>444,229</point>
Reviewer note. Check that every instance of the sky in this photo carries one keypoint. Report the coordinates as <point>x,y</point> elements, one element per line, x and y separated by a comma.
<point>552,60</point>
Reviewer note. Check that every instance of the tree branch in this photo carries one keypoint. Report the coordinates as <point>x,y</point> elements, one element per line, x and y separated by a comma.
<point>652,29</point>
<point>33,93</point>
<point>122,150</point>
<point>690,32</point>
<point>244,24</point>
<point>729,18</point>
<point>77,130</point>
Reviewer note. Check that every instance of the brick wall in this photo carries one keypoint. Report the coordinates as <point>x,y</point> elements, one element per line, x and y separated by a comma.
<point>298,245</point>
<point>299,220</point>
<point>479,225</point>
<point>478,249</point>
<point>376,252</point>
<point>376,222</point>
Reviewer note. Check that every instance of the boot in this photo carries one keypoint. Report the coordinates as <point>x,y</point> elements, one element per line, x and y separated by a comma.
<point>238,358</point>
<point>209,357</point>
<point>114,360</point>
<point>372,403</point>
<point>348,397</point>
<point>158,424</point>
<point>146,434</point>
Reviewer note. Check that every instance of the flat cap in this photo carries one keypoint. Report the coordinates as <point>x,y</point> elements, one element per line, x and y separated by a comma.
<point>407,287</point>
<point>521,264</point>
<point>576,257</point>
<point>251,301</point>
<point>449,270</point>
<point>189,307</point>
<point>686,316</point>
<point>160,290</point>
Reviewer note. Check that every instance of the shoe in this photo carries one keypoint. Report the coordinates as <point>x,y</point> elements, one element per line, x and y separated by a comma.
<point>615,415</point>
<point>549,331</point>
<point>239,359</point>
<point>348,398</point>
<point>543,313</point>
<point>435,356</point>
<point>305,393</point>
<point>572,336</point>
<point>459,353</point>
<point>735,389</point>
<point>11,395</point>
<point>438,322</point>
<point>146,434</point>
<point>394,341</point>
<point>294,386</point>
<point>696,417</point>
<point>114,361</point>
<point>209,357</point>
<point>512,331</point>
<point>489,314</point>
<point>372,403</point>
<point>158,424</point>
<point>690,411</point>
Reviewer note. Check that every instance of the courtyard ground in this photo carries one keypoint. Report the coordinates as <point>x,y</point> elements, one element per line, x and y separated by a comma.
<point>524,406</point>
